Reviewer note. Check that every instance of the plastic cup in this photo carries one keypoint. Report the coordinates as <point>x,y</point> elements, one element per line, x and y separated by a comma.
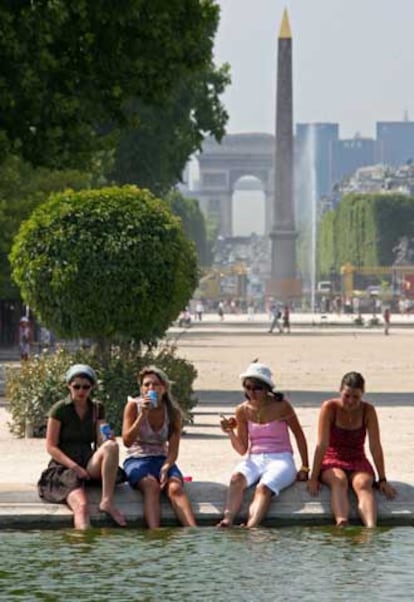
<point>153,397</point>
<point>106,431</point>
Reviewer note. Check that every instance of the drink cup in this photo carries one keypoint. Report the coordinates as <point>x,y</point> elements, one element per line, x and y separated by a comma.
<point>153,397</point>
<point>106,431</point>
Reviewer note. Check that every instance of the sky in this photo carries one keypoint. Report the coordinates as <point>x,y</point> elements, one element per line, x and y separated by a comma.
<point>353,62</point>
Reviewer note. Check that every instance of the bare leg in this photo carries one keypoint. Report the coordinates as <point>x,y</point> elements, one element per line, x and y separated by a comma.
<point>259,506</point>
<point>180,502</point>
<point>337,481</point>
<point>151,491</point>
<point>103,465</point>
<point>367,507</point>
<point>234,499</point>
<point>78,503</point>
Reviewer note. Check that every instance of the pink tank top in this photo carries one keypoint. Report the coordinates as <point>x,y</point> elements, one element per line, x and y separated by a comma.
<point>269,438</point>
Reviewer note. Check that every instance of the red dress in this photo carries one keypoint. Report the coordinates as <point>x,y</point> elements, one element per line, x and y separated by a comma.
<point>346,448</point>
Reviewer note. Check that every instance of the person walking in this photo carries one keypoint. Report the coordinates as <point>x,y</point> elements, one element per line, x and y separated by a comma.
<point>387,320</point>
<point>286,319</point>
<point>276,315</point>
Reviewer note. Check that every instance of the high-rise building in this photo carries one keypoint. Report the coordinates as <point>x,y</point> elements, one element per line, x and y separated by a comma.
<point>395,141</point>
<point>350,154</point>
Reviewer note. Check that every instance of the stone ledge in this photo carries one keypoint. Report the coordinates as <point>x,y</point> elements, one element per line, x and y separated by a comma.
<point>20,507</point>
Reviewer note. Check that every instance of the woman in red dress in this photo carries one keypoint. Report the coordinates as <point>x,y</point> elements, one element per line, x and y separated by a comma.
<point>340,460</point>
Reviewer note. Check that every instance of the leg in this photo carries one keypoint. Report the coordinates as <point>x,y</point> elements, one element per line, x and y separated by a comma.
<point>337,481</point>
<point>180,502</point>
<point>362,485</point>
<point>78,503</point>
<point>259,506</point>
<point>104,465</point>
<point>234,500</point>
<point>150,488</point>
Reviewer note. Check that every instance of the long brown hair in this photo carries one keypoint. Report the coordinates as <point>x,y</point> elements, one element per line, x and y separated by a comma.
<point>173,409</point>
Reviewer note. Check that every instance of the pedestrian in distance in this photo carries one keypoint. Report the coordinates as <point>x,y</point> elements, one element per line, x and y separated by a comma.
<point>80,453</point>
<point>276,315</point>
<point>151,431</point>
<point>286,319</point>
<point>25,335</point>
<point>340,461</point>
<point>260,432</point>
<point>387,320</point>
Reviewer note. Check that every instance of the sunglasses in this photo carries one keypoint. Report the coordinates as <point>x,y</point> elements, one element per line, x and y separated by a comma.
<point>83,387</point>
<point>254,387</point>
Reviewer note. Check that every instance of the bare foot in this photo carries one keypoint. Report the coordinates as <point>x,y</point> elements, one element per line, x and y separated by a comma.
<point>114,513</point>
<point>225,522</point>
<point>342,523</point>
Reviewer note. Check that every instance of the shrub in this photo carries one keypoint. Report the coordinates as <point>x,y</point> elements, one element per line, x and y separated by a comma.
<point>37,384</point>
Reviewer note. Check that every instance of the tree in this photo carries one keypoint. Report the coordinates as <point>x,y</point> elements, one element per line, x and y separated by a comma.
<point>153,154</point>
<point>22,188</point>
<point>107,264</point>
<point>192,219</point>
<point>69,70</point>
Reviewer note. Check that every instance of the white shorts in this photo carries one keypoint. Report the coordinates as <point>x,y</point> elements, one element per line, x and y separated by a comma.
<point>276,471</point>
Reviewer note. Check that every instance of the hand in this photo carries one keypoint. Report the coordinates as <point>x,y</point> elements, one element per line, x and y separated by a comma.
<point>164,475</point>
<point>302,475</point>
<point>82,473</point>
<point>228,424</point>
<point>387,489</point>
<point>313,486</point>
<point>146,404</point>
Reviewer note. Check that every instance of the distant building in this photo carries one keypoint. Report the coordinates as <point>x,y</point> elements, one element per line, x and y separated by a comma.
<point>348,155</point>
<point>395,142</point>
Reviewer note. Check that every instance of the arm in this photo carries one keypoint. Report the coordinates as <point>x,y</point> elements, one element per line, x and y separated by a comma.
<point>173,448</point>
<point>295,427</point>
<point>131,422</point>
<point>52,447</point>
<point>324,427</point>
<point>237,432</point>
<point>375,448</point>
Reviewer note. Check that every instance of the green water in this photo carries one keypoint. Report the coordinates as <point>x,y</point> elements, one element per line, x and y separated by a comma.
<point>304,564</point>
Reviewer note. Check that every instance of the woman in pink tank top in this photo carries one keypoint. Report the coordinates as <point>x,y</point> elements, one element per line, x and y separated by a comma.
<point>340,459</point>
<point>260,432</point>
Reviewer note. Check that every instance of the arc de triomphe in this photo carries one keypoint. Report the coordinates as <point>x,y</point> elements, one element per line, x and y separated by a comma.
<point>222,165</point>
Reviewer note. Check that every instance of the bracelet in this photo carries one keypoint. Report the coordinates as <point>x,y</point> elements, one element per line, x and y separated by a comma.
<point>304,469</point>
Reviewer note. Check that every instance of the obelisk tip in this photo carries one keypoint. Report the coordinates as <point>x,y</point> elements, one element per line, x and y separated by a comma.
<point>285,26</point>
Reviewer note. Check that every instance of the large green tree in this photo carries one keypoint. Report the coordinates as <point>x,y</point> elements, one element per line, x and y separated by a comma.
<point>69,71</point>
<point>193,221</point>
<point>364,230</point>
<point>154,153</point>
<point>108,264</point>
<point>22,188</point>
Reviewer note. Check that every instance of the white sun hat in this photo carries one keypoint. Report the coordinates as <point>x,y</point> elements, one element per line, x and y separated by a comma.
<point>259,372</point>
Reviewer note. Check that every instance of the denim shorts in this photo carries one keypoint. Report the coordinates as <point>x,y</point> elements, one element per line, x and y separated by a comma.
<point>138,468</point>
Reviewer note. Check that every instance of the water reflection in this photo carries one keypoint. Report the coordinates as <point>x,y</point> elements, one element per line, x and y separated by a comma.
<point>208,564</point>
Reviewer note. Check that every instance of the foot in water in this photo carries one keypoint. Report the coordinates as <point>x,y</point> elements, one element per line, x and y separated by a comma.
<point>114,513</point>
<point>225,522</point>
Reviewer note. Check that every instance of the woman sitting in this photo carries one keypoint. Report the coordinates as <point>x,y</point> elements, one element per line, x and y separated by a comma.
<point>340,461</point>
<point>151,431</point>
<point>73,430</point>
<point>261,430</point>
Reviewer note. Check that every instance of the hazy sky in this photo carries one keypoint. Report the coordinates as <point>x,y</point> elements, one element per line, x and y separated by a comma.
<point>353,62</point>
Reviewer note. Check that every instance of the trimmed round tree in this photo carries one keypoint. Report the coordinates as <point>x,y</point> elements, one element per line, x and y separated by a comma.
<point>107,264</point>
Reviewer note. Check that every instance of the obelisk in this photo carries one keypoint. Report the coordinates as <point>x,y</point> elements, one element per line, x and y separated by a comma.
<point>284,282</point>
